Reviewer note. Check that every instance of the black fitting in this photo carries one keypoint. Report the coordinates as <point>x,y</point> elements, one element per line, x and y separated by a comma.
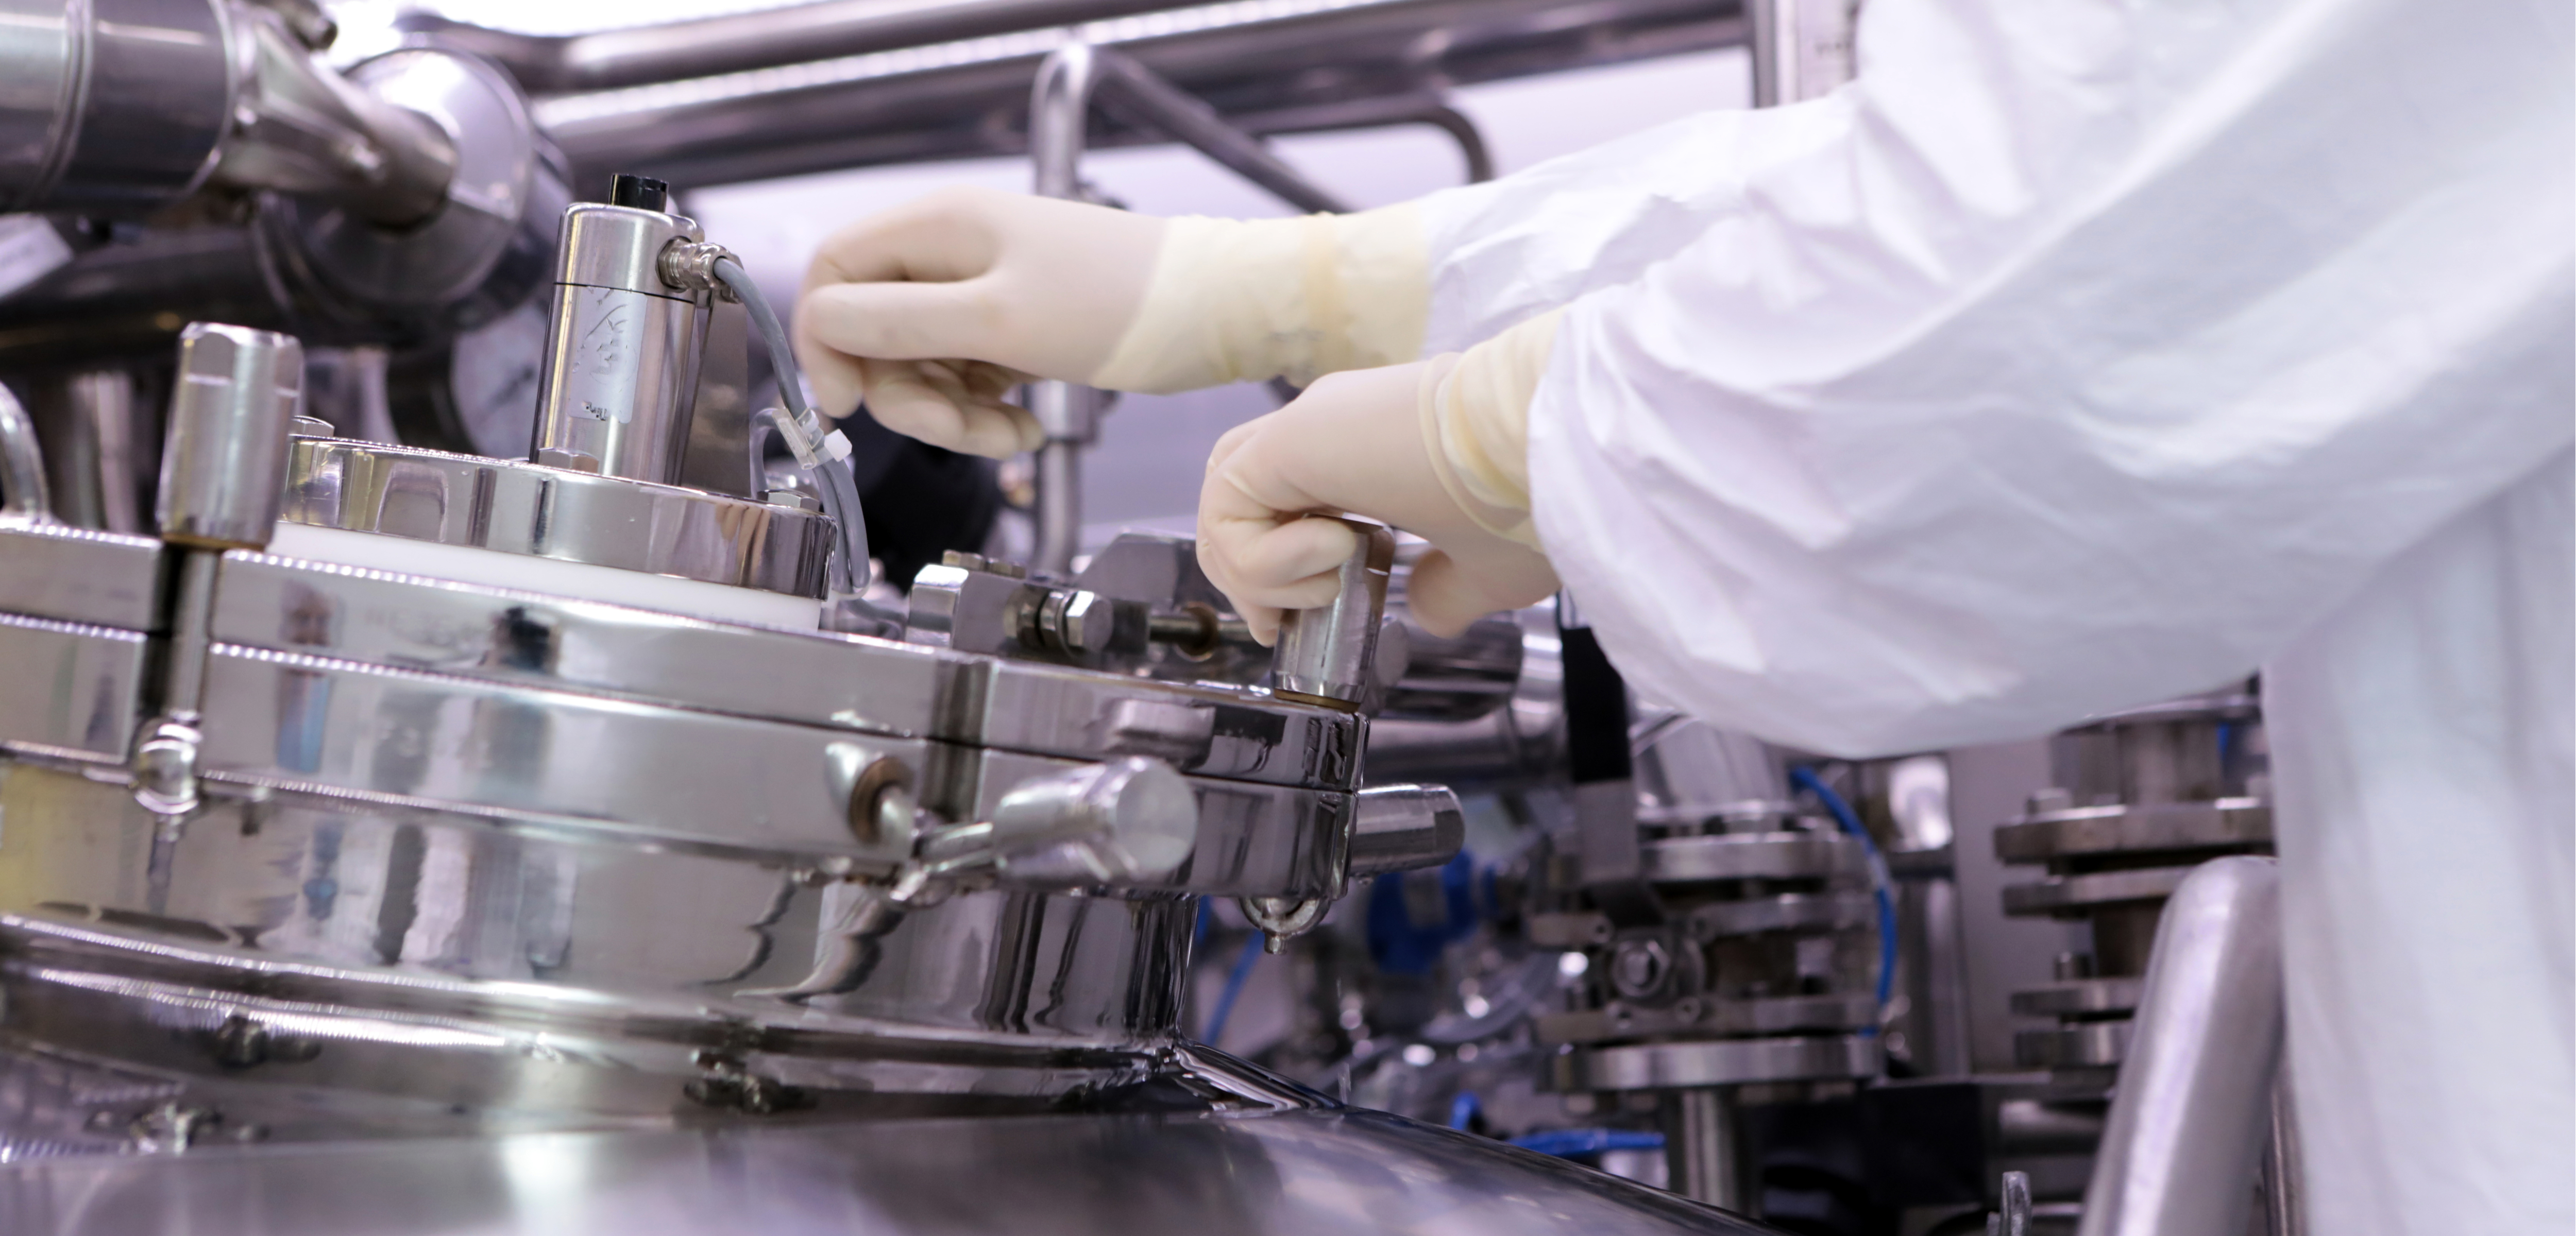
<point>640,192</point>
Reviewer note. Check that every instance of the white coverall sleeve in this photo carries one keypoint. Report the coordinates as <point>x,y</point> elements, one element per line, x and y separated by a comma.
<point>2074,356</point>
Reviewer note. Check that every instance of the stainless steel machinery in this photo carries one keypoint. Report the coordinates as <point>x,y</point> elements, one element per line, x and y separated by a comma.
<point>388,796</point>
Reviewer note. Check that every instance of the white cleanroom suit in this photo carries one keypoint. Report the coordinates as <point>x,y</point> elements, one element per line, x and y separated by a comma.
<point>2082,354</point>
<point>2073,356</point>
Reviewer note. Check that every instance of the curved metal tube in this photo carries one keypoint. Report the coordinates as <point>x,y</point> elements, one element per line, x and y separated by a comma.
<point>22,465</point>
<point>2193,1109</point>
<point>1059,110</point>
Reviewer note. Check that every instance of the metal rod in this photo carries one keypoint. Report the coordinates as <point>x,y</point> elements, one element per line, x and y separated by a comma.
<point>2188,1120</point>
<point>183,680</point>
<point>1702,1150</point>
<point>22,464</point>
<point>1059,506</point>
<point>1140,96</point>
<point>104,401</point>
<point>934,100</point>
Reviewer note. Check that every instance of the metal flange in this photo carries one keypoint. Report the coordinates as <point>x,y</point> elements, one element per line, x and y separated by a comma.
<point>2083,1044</point>
<point>2092,997</point>
<point>2225,823</point>
<point>1753,856</point>
<point>1717,1062</point>
<point>2074,894</point>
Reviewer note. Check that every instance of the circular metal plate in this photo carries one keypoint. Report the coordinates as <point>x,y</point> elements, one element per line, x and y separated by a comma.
<point>2225,823</point>
<point>1752,856</point>
<point>1716,1062</point>
<point>523,508</point>
<point>2086,1044</point>
<point>2078,998</point>
<point>486,251</point>
<point>2071,894</point>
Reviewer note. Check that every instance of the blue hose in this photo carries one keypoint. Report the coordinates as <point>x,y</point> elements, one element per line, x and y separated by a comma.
<point>1234,981</point>
<point>1566,1143</point>
<point>1881,883</point>
<point>1463,1109</point>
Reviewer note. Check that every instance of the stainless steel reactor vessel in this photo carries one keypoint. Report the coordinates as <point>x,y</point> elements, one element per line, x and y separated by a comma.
<point>410,842</point>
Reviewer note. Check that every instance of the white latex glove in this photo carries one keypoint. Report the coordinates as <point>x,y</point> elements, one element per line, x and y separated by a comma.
<point>934,310</point>
<point>1362,443</point>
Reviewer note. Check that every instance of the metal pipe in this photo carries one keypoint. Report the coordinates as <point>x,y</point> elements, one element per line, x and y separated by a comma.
<point>1068,82</point>
<point>1702,1150</point>
<point>1059,109</point>
<point>22,465</point>
<point>938,100</point>
<point>1141,97</point>
<point>2189,1118</point>
<point>771,36</point>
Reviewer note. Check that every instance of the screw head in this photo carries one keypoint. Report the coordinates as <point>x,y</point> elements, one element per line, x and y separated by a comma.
<point>1639,967</point>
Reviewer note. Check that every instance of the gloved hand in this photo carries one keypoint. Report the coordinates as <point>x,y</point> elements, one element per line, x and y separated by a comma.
<point>934,310</point>
<point>1436,448</point>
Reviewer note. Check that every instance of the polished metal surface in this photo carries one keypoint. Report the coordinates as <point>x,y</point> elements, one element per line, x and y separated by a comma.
<point>300,128</point>
<point>1716,1062</point>
<point>1458,678</point>
<point>622,348</point>
<point>809,678</point>
<point>751,40</point>
<point>1328,655</point>
<point>1059,112</point>
<point>525,508</point>
<point>2190,1117</point>
<point>67,688</point>
<point>1519,742</point>
<point>1269,66</point>
<point>223,464</point>
<point>294,905</point>
<point>552,760</point>
<point>1401,827</point>
<point>112,107</point>
<point>1326,1172</point>
<point>79,575</point>
<point>23,495</point>
<point>484,252</point>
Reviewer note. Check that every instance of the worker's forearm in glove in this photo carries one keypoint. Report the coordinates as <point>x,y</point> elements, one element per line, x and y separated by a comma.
<point>933,311</point>
<point>1427,447</point>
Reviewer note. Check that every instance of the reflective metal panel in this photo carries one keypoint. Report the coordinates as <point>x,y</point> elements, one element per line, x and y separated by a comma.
<point>65,687</point>
<point>1330,1173</point>
<point>664,775</point>
<point>315,909</point>
<point>77,575</point>
<point>522,508</point>
<point>410,622</point>
<point>817,678</point>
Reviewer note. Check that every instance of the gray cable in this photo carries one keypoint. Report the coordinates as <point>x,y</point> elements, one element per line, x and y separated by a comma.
<point>833,480</point>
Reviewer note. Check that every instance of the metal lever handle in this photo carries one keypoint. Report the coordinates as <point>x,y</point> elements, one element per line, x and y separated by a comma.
<point>1402,827</point>
<point>1124,821</point>
<point>1326,653</point>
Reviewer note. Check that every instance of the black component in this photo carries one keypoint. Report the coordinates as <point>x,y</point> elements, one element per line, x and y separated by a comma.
<point>1596,710</point>
<point>1605,801</point>
<point>1924,1143</point>
<point>926,502</point>
<point>640,192</point>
